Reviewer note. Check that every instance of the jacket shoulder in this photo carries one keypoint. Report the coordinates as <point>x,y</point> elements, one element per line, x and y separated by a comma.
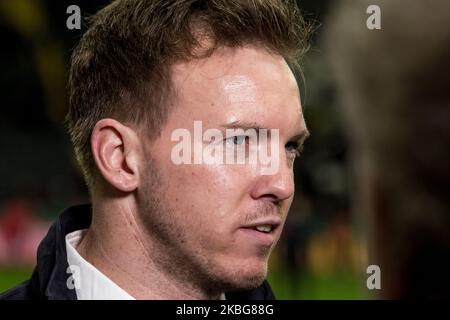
<point>20,292</point>
<point>263,292</point>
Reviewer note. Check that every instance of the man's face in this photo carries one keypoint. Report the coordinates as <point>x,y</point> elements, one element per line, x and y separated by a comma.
<point>203,216</point>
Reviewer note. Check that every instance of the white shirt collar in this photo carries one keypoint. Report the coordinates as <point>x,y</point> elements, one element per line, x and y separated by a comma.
<point>90,284</point>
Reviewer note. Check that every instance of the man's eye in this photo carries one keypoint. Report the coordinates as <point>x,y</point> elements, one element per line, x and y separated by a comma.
<point>294,148</point>
<point>236,140</point>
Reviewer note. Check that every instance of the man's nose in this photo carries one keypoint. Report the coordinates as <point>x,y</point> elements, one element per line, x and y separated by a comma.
<point>278,186</point>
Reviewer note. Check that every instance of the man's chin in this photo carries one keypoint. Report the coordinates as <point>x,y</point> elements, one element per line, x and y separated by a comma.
<point>251,281</point>
<point>245,277</point>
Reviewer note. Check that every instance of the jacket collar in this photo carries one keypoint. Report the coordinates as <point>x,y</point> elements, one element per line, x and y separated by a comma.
<point>50,275</point>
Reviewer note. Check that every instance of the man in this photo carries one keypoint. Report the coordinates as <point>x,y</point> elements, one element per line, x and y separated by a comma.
<point>395,86</point>
<point>162,228</point>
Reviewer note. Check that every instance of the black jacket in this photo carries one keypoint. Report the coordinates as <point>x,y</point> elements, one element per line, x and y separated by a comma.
<point>49,278</point>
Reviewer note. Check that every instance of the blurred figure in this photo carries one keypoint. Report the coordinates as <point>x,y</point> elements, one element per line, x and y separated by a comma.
<point>395,85</point>
<point>21,230</point>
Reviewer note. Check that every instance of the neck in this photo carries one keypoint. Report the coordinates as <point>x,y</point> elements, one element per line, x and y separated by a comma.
<point>119,247</point>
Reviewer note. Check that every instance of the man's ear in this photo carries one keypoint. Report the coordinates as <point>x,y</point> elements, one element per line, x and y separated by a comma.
<point>117,152</point>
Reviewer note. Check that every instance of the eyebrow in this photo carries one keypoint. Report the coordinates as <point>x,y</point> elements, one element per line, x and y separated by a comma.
<point>243,125</point>
<point>238,124</point>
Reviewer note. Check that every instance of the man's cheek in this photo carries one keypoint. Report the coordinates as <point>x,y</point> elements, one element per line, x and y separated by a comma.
<point>215,238</point>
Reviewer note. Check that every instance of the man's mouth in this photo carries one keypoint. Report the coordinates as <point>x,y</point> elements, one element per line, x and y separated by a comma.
<point>262,232</point>
<point>266,228</point>
<point>267,225</point>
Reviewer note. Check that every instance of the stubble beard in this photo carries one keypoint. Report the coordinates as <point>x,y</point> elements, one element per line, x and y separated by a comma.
<point>171,249</point>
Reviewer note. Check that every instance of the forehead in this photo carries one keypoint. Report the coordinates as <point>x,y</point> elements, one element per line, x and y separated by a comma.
<point>238,84</point>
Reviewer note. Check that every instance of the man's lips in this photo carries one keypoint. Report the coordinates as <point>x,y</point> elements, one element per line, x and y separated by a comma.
<point>273,222</point>
<point>262,232</point>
